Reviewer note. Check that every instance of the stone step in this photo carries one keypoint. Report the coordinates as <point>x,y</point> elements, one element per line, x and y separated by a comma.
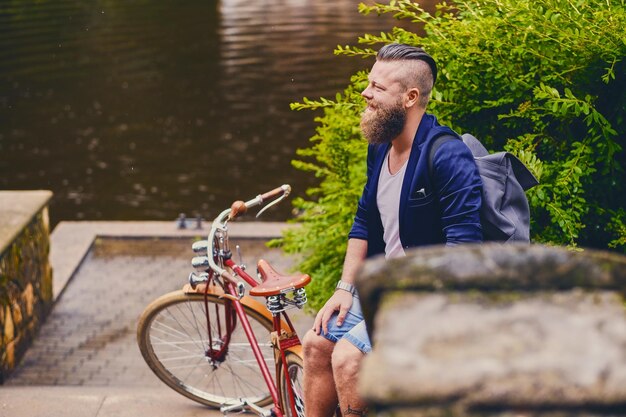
<point>49,401</point>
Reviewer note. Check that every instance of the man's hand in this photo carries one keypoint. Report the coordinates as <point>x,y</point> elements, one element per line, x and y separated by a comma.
<point>340,301</point>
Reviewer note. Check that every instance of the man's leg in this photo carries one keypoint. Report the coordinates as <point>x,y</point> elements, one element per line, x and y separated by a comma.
<point>320,398</point>
<point>346,362</point>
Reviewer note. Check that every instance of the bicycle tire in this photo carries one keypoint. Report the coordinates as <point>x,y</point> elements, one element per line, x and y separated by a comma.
<point>295,371</point>
<point>181,317</point>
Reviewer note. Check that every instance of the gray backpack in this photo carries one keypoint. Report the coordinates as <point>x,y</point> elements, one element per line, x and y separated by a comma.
<point>504,214</point>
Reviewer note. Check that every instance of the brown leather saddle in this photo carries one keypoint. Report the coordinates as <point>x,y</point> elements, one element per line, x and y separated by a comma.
<point>274,283</point>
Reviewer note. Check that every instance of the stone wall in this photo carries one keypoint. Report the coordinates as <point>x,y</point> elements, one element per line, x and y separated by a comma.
<point>25,272</point>
<point>496,330</point>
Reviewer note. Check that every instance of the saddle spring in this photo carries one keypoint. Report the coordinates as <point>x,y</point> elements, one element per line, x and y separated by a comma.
<point>278,303</point>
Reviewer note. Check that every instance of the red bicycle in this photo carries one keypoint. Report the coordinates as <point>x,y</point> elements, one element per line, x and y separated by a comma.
<point>215,344</point>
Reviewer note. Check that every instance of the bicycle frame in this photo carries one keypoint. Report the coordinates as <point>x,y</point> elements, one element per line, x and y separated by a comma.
<point>284,337</point>
<point>280,345</point>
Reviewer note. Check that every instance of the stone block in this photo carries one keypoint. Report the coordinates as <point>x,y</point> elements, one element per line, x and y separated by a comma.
<point>25,273</point>
<point>9,328</point>
<point>496,329</point>
<point>28,299</point>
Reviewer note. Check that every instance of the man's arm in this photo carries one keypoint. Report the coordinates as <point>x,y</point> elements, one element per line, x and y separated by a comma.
<point>456,177</point>
<point>342,300</point>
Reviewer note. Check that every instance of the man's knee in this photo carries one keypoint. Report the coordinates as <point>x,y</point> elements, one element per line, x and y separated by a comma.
<point>316,347</point>
<point>346,359</point>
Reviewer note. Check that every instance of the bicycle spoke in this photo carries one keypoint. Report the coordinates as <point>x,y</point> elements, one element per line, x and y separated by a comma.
<point>194,325</point>
<point>181,367</point>
<point>182,342</point>
<point>161,342</point>
<point>190,306</point>
<point>161,326</point>
<point>182,333</point>
<point>240,381</point>
<point>185,358</point>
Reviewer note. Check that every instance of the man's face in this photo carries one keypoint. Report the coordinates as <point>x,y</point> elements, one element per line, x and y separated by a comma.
<point>385,115</point>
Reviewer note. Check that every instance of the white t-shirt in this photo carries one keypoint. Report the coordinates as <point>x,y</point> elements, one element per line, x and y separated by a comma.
<point>388,200</point>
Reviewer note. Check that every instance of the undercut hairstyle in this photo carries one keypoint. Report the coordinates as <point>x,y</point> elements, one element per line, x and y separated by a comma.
<point>420,70</point>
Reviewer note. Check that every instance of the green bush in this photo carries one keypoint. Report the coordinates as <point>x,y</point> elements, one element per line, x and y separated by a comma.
<point>543,79</point>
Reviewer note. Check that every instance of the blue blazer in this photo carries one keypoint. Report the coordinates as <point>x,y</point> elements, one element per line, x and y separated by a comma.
<point>441,209</point>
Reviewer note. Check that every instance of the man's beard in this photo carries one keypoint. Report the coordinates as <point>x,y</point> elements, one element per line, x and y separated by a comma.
<point>384,124</point>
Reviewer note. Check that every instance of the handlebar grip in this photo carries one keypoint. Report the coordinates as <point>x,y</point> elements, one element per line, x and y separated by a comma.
<point>275,192</point>
<point>237,208</point>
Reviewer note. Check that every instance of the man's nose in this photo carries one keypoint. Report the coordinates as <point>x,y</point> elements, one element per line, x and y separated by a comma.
<point>366,93</point>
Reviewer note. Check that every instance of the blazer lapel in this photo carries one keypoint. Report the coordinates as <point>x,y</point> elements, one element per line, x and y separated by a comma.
<point>410,176</point>
<point>408,180</point>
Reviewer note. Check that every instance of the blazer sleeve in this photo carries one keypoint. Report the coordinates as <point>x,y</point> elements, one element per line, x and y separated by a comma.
<point>456,176</point>
<point>359,227</point>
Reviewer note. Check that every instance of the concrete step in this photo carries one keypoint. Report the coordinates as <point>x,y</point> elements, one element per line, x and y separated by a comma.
<point>65,401</point>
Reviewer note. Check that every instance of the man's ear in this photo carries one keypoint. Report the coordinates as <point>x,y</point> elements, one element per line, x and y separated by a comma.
<point>412,97</point>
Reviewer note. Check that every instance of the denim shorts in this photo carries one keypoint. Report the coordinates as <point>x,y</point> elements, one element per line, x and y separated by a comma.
<point>353,328</point>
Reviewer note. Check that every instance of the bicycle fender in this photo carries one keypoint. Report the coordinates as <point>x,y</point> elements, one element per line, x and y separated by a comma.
<point>296,350</point>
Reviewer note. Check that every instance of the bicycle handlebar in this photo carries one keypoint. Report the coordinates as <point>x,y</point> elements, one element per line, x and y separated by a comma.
<point>237,208</point>
<point>283,189</point>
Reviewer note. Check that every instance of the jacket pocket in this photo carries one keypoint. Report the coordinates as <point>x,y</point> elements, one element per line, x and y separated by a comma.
<point>422,220</point>
<point>421,201</point>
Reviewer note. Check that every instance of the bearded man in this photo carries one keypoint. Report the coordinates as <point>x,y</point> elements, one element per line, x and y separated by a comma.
<point>405,203</point>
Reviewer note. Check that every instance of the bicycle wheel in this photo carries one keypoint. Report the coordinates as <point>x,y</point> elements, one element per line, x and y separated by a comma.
<point>172,337</point>
<point>295,371</point>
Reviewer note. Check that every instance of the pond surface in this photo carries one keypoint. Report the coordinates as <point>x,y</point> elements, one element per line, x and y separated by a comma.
<point>141,110</point>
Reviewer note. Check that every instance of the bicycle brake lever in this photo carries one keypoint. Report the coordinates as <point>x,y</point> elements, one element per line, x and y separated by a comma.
<point>273,203</point>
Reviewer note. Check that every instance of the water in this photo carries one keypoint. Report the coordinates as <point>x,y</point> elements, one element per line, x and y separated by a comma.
<point>141,110</point>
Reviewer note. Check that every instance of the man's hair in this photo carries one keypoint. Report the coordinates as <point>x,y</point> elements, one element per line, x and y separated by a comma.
<point>422,72</point>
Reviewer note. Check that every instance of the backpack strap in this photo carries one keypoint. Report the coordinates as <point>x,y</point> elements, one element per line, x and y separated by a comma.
<point>434,146</point>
